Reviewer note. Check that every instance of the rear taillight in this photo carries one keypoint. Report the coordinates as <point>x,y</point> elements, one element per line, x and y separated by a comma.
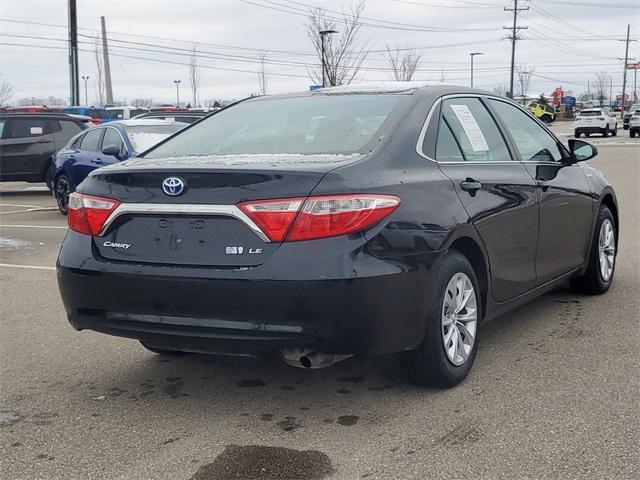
<point>87,214</point>
<point>297,219</point>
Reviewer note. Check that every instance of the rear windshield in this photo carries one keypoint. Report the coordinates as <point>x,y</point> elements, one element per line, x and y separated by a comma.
<point>301,125</point>
<point>143,137</point>
<point>591,113</point>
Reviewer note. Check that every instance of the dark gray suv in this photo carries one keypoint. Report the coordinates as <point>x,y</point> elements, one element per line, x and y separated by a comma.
<point>28,141</point>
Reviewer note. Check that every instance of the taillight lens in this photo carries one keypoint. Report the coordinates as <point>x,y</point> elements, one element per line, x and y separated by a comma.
<point>87,214</point>
<point>320,216</point>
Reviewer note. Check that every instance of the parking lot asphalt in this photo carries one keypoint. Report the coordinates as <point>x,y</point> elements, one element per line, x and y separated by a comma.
<point>553,394</point>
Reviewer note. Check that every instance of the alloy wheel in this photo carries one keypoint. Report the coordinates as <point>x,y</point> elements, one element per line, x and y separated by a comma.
<point>459,318</point>
<point>606,249</point>
<point>62,193</point>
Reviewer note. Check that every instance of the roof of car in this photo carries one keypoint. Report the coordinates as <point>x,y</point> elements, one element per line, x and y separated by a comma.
<point>81,118</point>
<point>382,87</point>
<point>143,121</point>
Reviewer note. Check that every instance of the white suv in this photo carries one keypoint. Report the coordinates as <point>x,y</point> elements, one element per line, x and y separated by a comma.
<point>595,120</point>
<point>634,124</point>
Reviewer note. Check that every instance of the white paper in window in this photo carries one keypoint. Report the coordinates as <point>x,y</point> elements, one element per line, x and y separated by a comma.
<point>36,130</point>
<point>471,128</point>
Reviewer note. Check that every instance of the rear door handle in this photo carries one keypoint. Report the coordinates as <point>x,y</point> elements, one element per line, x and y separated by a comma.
<point>471,186</point>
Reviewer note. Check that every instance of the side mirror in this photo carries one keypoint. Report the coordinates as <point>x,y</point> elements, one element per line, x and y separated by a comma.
<point>112,150</point>
<point>581,151</point>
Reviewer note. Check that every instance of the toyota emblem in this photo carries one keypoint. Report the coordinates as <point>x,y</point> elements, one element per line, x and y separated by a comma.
<point>173,186</point>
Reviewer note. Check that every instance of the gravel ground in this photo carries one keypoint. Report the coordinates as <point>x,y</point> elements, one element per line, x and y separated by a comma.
<point>553,394</point>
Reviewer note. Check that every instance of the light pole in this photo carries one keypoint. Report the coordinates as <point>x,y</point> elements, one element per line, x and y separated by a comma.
<point>473,55</point>
<point>322,35</point>
<point>177,82</point>
<point>86,95</point>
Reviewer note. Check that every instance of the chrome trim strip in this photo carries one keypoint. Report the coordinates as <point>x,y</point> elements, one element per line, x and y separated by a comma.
<point>423,131</point>
<point>184,209</point>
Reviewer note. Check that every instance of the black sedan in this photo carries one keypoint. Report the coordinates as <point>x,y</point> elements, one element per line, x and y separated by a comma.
<point>352,220</point>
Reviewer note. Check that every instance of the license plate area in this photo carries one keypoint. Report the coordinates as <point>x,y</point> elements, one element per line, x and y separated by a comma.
<point>184,240</point>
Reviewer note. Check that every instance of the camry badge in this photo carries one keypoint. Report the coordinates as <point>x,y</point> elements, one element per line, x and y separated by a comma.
<point>173,186</point>
<point>123,246</point>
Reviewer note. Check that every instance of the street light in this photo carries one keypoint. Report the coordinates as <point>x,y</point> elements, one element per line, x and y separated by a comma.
<point>86,97</point>
<point>473,55</point>
<point>177,82</point>
<point>322,35</point>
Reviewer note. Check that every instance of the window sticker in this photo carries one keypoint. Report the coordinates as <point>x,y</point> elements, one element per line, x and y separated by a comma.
<point>471,128</point>
<point>36,130</point>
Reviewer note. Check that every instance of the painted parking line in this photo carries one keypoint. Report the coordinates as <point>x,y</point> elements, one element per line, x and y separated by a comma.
<point>36,209</point>
<point>33,226</point>
<point>26,267</point>
<point>18,205</point>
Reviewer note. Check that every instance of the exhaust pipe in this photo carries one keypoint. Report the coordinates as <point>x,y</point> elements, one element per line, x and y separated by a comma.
<point>307,358</point>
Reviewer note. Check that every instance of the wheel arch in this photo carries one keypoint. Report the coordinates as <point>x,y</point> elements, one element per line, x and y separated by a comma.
<point>473,252</point>
<point>609,201</point>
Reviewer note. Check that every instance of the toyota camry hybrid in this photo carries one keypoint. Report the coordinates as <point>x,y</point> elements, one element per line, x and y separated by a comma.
<point>346,221</point>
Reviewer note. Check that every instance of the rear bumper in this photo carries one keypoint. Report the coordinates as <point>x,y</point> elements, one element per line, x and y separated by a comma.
<point>368,306</point>
<point>366,315</point>
<point>591,129</point>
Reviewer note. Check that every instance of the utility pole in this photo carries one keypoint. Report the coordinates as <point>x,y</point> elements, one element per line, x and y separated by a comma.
<point>86,95</point>
<point>514,38</point>
<point>177,82</point>
<point>107,67</point>
<point>74,81</point>
<point>611,91</point>
<point>624,74</point>
<point>324,67</point>
<point>473,55</point>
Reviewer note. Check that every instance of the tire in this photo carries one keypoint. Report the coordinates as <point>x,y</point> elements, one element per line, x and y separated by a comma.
<point>576,133</point>
<point>430,364</point>
<point>161,351</point>
<point>593,282</point>
<point>614,132</point>
<point>605,132</point>
<point>62,189</point>
<point>48,180</point>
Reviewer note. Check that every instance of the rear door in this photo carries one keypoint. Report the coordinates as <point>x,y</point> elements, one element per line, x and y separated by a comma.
<point>26,147</point>
<point>496,190</point>
<point>564,194</point>
<point>88,153</point>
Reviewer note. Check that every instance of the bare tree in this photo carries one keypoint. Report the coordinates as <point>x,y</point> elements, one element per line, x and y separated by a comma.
<point>524,79</point>
<point>601,86</point>
<point>99,82</point>
<point>262,74</point>
<point>194,74</point>
<point>342,54</point>
<point>501,90</point>
<point>402,62</point>
<point>6,92</point>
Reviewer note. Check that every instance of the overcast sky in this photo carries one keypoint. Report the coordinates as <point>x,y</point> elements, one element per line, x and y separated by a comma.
<point>565,44</point>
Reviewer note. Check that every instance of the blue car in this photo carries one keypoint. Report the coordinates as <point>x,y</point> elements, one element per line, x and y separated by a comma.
<point>104,145</point>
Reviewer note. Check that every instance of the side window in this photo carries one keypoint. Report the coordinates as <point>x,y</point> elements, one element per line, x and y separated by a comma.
<point>112,137</point>
<point>447,148</point>
<point>27,127</point>
<point>69,129</point>
<point>3,122</point>
<point>91,140</point>
<point>475,130</point>
<point>532,141</point>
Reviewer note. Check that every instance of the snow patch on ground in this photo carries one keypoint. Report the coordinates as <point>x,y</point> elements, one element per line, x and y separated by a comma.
<point>8,243</point>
